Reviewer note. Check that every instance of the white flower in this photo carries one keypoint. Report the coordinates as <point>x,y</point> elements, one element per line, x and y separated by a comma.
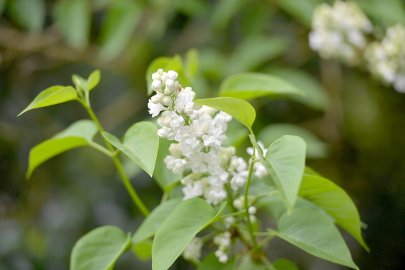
<point>223,241</point>
<point>155,109</point>
<point>339,31</point>
<point>386,59</point>
<point>193,249</point>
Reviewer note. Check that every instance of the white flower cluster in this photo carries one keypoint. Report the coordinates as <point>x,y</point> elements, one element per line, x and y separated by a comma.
<point>239,204</point>
<point>223,241</point>
<point>339,31</point>
<point>198,154</point>
<point>386,59</point>
<point>193,250</point>
<point>259,169</point>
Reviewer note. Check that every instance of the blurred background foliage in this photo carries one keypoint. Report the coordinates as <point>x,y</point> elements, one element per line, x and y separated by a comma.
<point>355,127</point>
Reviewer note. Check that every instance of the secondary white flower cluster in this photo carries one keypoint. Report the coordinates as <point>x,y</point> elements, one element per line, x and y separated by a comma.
<point>239,204</point>
<point>223,241</point>
<point>193,250</point>
<point>198,154</point>
<point>259,169</point>
<point>339,31</point>
<point>386,59</point>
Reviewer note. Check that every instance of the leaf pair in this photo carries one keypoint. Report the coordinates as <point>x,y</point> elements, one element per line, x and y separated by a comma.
<point>174,224</point>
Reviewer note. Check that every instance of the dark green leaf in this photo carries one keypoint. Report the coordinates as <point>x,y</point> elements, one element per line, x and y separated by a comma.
<point>248,263</point>
<point>99,249</point>
<point>313,232</point>
<point>285,162</point>
<point>176,232</point>
<point>73,20</point>
<point>334,201</point>
<point>253,85</point>
<point>143,250</point>
<point>283,264</point>
<point>239,109</point>
<point>51,96</point>
<point>78,134</point>
<point>152,222</point>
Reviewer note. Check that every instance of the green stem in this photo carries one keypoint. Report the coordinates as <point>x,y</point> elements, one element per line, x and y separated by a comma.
<point>249,222</point>
<point>132,193</point>
<point>230,198</point>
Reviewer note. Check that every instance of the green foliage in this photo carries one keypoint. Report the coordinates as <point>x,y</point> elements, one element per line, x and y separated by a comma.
<point>19,10</point>
<point>248,263</point>
<point>140,144</point>
<point>187,219</point>
<point>388,11</point>
<point>254,85</point>
<point>163,176</point>
<point>152,222</point>
<point>283,264</point>
<point>302,10</point>
<point>334,201</point>
<point>121,19</point>
<point>99,249</point>
<point>143,250</point>
<point>315,147</point>
<point>285,162</point>
<point>78,134</point>
<point>239,109</point>
<point>211,262</point>
<point>73,19</point>
<point>89,84</point>
<point>314,232</point>
<point>52,96</point>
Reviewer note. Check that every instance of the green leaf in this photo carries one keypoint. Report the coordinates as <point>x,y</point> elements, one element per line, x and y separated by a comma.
<point>152,222</point>
<point>51,96</point>
<point>140,144</point>
<point>239,109</point>
<point>120,22</point>
<point>253,85</point>
<point>248,263</point>
<point>254,51</point>
<point>389,11</point>
<point>163,176</point>
<point>285,162</point>
<point>29,15</point>
<point>143,250</point>
<point>191,64</point>
<point>314,94</point>
<point>176,232</point>
<point>165,63</point>
<point>313,232</point>
<point>99,249</point>
<point>93,80</point>
<point>302,10</point>
<point>210,262</point>
<point>315,147</point>
<point>78,134</point>
<point>334,201</point>
<point>73,19</point>
<point>283,264</point>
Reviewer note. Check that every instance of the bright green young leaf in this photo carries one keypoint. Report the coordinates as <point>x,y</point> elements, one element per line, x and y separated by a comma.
<point>143,250</point>
<point>29,15</point>
<point>253,85</point>
<point>285,162</point>
<point>254,51</point>
<point>152,222</point>
<point>78,134</point>
<point>313,232</point>
<point>73,19</point>
<point>315,147</point>
<point>248,263</point>
<point>239,109</point>
<point>99,249</point>
<point>165,63</point>
<point>179,228</point>
<point>191,64</point>
<point>51,96</point>
<point>314,95</point>
<point>118,26</point>
<point>283,264</point>
<point>89,84</point>
<point>334,201</point>
<point>140,144</point>
<point>210,262</point>
<point>163,176</point>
